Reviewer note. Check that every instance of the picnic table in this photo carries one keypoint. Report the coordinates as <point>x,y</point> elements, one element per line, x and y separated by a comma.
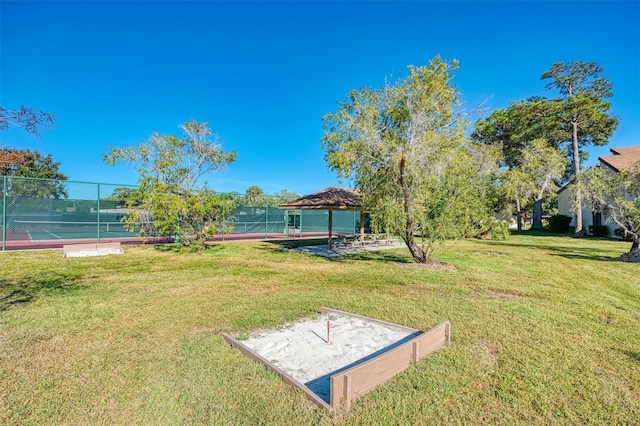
<point>357,240</point>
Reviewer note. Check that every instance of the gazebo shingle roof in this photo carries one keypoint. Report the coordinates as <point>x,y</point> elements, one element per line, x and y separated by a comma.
<point>331,198</point>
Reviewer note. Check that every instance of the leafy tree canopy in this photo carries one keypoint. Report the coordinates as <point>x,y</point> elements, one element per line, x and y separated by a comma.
<point>176,162</point>
<point>25,163</point>
<point>404,148</point>
<point>578,117</point>
<point>171,194</point>
<point>542,164</point>
<point>617,195</point>
<point>282,197</point>
<point>124,196</point>
<point>254,196</point>
<point>512,129</point>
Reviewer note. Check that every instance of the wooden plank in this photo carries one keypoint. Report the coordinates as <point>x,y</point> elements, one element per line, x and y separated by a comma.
<point>347,391</point>
<point>324,311</point>
<point>337,390</point>
<point>448,332</point>
<point>247,351</point>
<point>367,376</point>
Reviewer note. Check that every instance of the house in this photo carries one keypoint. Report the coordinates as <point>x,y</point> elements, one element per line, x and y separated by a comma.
<point>622,159</point>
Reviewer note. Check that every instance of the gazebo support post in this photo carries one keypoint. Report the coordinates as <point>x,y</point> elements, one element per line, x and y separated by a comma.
<point>362,226</point>
<point>330,227</point>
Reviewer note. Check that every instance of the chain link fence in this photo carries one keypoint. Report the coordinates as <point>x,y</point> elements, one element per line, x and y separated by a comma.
<point>48,213</point>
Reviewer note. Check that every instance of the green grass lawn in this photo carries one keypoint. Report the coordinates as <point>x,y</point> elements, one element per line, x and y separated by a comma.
<point>545,330</point>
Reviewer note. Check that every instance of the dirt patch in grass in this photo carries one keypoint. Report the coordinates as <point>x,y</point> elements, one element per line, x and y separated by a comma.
<point>431,264</point>
<point>491,253</point>
<point>419,291</point>
<point>204,331</point>
<point>503,295</point>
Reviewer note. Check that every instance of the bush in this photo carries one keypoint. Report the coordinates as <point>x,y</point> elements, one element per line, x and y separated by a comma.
<point>559,223</point>
<point>619,232</point>
<point>499,230</point>
<point>598,230</point>
<point>493,229</point>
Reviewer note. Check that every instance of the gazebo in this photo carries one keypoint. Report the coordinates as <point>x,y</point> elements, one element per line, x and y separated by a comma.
<point>330,199</point>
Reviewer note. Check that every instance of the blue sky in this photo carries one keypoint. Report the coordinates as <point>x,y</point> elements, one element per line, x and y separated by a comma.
<point>263,74</point>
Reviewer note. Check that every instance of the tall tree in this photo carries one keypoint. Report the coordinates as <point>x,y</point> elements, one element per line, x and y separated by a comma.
<point>170,187</point>
<point>543,164</point>
<point>281,197</point>
<point>123,197</point>
<point>34,175</point>
<point>582,114</point>
<point>404,145</point>
<point>617,195</point>
<point>518,186</point>
<point>254,196</point>
<point>526,132</point>
<point>27,118</point>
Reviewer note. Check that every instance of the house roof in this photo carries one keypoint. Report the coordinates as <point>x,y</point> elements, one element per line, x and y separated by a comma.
<point>331,198</point>
<point>622,159</point>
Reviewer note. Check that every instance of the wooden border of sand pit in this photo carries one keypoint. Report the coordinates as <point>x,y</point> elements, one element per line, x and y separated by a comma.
<point>365,377</point>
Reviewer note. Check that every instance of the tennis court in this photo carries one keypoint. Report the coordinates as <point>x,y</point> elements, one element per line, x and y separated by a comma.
<point>43,213</point>
<point>47,230</point>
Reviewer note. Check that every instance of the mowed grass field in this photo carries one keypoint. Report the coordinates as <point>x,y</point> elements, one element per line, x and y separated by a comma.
<point>545,330</point>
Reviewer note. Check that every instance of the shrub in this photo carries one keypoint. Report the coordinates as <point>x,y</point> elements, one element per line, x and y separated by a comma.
<point>499,230</point>
<point>598,230</point>
<point>559,223</point>
<point>492,229</point>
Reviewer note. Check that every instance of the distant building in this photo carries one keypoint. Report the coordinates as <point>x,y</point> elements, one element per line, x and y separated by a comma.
<point>622,159</point>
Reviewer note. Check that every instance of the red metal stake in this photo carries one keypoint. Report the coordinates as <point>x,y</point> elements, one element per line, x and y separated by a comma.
<point>328,331</point>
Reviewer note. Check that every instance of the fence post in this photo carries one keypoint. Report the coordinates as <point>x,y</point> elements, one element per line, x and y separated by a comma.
<point>355,229</point>
<point>4,212</point>
<point>266,219</point>
<point>98,213</point>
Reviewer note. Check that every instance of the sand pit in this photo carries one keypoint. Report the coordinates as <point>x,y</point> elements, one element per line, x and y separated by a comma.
<point>302,350</point>
<point>349,359</point>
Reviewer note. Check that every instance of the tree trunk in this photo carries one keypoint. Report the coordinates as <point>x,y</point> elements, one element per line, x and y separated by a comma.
<point>634,245</point>
<point>419,256</point>
<point>518,215</point>
<point>537,215</point>
<point>576,168</point>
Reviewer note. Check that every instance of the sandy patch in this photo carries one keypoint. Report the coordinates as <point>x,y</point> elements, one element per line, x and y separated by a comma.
<point>302,350</point>
<point>502,295</point>
<point>431,264</point>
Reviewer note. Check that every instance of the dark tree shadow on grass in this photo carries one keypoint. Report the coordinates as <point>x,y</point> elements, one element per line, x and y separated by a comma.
<point>569,252</point>
<point>541,233</point>
<point>180,249</point>
<point>391,255</point>
<point>25,290</point>
<point>297,243</point>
